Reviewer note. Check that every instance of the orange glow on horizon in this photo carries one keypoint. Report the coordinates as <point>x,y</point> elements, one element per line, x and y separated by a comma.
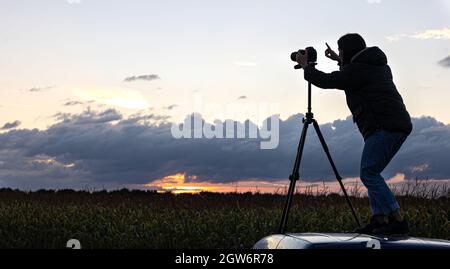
<point>177,184</point>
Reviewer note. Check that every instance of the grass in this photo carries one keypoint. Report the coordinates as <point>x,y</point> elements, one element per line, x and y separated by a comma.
<point>143,219</point>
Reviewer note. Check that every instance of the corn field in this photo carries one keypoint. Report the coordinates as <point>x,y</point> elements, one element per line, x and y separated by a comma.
<point>145,219</point>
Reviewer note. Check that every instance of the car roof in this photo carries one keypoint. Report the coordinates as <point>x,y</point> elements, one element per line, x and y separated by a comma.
<point>346,240</point>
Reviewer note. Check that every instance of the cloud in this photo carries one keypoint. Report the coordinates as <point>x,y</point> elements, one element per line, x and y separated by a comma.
<point>39,89</point>
<point>110,115</point>
<point>445,62</point>
<point>104,149</point>
<point>374,1</point>
<point>171,107</point>
<point>89,117</point>
<point>73,103</point>
<point>443,33</point>
<point>242,97</point>
<point>11,125</point>
<point>437,34</point>
<point>143,77</point>
<point>395,38</point>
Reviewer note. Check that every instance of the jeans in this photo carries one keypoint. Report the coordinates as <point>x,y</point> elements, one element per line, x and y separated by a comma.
<point>379,149</point>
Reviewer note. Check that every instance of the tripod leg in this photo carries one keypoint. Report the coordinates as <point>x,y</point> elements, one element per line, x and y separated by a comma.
<point>336,173</point>
<point>293,179</point>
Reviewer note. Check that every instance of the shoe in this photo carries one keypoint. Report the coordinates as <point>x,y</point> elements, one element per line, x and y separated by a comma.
<point>393,228</point>
<point>369,228</point>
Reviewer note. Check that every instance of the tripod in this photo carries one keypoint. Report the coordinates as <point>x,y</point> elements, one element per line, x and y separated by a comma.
<point>295,176</point>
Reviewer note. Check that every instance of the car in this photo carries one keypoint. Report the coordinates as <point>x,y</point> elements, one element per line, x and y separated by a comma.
<point>346,241</point>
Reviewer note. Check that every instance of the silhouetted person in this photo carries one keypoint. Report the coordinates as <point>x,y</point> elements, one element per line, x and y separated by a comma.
<point>380,115</point>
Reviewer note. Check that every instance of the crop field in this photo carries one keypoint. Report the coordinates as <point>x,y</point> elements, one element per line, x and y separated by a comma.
<point>143,219</point>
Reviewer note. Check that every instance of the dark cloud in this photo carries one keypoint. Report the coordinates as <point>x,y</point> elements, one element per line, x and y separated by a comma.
<point>39,89</point>
<point>171,107</point>
<point>143,77</point>
<point>445,62</point>
<point>11,125</point>
<point>73,103</point>
<point>144,119</point>
<point>101,148</point>
<point>89,117</point>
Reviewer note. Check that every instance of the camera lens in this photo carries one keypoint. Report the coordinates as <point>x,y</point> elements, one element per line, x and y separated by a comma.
<point>294,56</point>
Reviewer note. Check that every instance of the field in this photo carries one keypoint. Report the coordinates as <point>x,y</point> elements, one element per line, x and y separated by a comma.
<point>138,219</point>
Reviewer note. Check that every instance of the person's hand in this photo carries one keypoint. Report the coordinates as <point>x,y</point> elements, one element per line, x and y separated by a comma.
<point>329,53</point>
<point>302,59</point>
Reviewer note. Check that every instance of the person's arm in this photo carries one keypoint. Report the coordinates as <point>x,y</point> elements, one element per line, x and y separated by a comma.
<point>342,79</point>
<point>334,80</point>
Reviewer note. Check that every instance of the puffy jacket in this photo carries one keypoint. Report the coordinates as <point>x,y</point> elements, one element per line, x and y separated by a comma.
<point>370,91</point>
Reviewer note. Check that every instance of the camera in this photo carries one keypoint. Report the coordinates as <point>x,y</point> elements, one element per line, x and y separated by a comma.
<point>312,56</point>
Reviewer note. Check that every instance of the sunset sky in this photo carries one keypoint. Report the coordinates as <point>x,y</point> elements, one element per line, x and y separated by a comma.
<point>67,65</point>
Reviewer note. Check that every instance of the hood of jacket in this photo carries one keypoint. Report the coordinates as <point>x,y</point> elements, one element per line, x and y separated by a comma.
<point>370,56</point>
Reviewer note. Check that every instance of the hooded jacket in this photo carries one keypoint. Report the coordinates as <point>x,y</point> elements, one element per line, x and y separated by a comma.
<point>370,92</point>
